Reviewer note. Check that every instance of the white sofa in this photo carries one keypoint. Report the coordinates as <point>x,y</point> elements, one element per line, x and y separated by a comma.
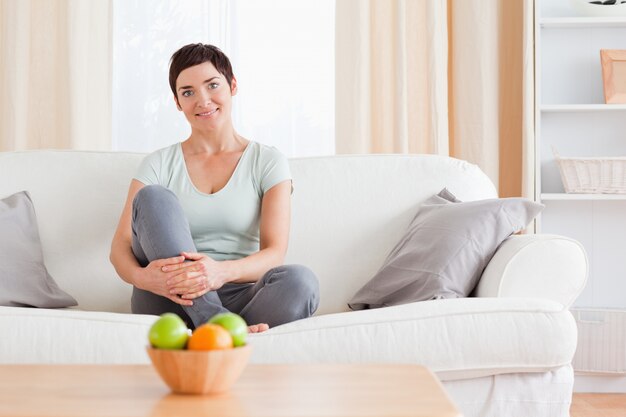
<point>507,351</point>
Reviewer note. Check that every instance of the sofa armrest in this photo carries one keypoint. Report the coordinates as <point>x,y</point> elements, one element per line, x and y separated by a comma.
<point>536,266</point>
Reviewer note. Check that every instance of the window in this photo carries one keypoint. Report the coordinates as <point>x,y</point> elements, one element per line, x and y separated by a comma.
<point>282,53</point>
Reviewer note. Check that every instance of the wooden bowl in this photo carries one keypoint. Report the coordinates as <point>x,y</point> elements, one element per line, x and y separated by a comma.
<point>199,371</point>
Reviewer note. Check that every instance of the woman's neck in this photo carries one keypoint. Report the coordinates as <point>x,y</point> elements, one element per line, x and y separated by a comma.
<point>214,142</point>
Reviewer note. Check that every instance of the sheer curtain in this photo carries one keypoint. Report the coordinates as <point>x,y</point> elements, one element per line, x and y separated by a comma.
<point>55,74</point>
<point>448,77</point>
<point>282,53</point>
<point>392,76</point>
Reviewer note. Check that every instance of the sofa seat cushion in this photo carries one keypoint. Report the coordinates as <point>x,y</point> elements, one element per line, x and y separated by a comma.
<point>456,338</point>
<point>72,336</point>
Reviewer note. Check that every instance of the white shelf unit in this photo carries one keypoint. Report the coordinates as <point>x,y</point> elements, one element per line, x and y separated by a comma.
<point>563,108</point>
<point>579,197</point>
<point>582,22</point>
<point>571,117</point>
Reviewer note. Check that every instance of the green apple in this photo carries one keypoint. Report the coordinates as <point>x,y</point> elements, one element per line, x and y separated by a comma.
<point>235,325</point>
<point>168,332</point>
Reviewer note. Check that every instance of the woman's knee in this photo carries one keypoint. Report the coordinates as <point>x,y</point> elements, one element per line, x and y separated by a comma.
<point>153,195</point>
<point>288,293</point>
<point>301,284</point>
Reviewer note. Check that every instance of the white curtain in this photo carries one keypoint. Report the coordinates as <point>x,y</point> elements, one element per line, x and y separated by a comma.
<point>282,53</point>
<point>55,74</point>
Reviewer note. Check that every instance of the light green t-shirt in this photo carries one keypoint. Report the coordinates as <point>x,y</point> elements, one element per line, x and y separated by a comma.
<point>225,224</point>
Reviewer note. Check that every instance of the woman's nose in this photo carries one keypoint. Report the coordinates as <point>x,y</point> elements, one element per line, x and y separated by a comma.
<point>204,98</point>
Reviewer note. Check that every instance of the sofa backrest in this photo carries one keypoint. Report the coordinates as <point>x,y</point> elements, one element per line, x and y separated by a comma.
<point>347,214</point>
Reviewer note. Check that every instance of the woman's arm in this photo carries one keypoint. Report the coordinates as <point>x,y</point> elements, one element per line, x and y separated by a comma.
<point>150,278</point>
<point>273,235</point>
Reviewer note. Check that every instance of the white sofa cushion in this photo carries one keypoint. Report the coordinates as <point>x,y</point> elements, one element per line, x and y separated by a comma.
<point>457,338</point>
<point>350,211</point>
<point>72,336</point>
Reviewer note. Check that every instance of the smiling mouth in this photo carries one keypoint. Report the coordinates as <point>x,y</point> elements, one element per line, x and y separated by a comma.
<point>208,113</point>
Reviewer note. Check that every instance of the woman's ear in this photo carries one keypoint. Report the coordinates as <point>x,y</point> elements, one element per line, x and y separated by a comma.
<point>233,86</point>
<point>177,103</point>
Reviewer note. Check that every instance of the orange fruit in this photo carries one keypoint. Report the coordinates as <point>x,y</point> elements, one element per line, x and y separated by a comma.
<point>210,337</point>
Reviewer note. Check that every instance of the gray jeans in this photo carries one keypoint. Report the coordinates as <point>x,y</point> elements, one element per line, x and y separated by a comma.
<point>160,230</point>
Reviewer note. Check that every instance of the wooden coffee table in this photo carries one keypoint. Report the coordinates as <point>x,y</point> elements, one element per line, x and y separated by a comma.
<point>262,390</point>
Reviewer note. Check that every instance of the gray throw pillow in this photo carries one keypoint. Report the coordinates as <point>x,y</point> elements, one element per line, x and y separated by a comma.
<point>24,279</point>
<point>445,250</point>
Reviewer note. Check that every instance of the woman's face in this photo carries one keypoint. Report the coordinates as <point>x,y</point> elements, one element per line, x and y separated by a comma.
<point>203,94</point>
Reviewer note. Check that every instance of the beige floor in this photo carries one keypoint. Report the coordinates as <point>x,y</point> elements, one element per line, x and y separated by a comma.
<point>598,405</point>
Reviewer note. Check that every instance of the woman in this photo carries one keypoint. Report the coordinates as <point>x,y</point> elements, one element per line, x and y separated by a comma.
<point>206,221</point>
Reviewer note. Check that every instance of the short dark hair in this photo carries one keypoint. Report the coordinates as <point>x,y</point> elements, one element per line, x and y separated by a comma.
<point>196,54</point>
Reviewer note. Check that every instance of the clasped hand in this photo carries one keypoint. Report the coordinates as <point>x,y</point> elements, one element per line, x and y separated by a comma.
<point>182,281</point>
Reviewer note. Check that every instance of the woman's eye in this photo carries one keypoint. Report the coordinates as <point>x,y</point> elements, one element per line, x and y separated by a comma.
<point>187,93</point>
<point>213,86</point>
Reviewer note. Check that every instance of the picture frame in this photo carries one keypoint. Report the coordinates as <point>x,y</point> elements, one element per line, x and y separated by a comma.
<point>614,75</point>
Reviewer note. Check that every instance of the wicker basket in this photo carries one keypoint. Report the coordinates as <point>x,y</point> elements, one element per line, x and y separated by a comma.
<point>593,175</point>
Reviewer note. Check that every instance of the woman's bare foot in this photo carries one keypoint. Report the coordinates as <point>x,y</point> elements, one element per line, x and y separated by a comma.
<point>258,328</point>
